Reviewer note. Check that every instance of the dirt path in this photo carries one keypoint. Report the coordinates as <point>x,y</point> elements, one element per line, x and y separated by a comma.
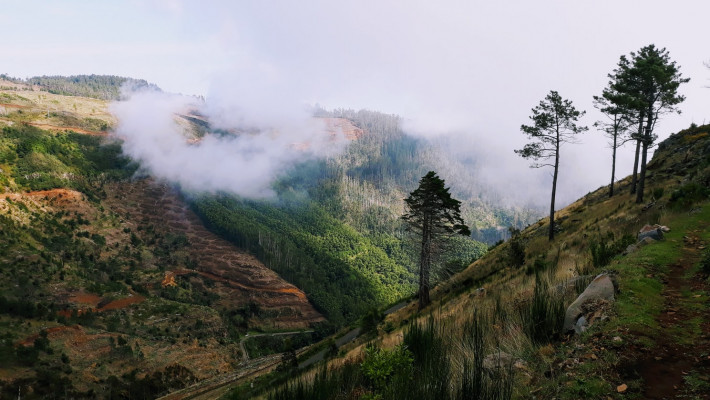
<point>665,370</point>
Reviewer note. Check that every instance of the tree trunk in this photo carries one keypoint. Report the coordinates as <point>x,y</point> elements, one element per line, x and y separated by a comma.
<point>642,174</point>
<point>613,163</point>
<point>551,235</point>
<point>647,138</point>
<point>425,264</point>
<point>636,159</point>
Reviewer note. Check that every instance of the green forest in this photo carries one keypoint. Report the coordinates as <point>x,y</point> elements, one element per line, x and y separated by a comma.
<point>103,87</point>
<point>335,229</point>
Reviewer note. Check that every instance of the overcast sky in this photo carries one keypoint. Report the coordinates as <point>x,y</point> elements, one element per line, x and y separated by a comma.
<point>471,67</point>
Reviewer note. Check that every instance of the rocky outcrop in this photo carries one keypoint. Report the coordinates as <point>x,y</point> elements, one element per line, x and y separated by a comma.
<point>599,292</point>
<point>655,232</point>
<point>647,235</point>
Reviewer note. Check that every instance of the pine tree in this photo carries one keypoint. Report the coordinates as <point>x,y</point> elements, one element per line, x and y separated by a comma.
<point>555,122</point>
<point>650,80</point>
<point>620,117</point>
<point>432,213</point>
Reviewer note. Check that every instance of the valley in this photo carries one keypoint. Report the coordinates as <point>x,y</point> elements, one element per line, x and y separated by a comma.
<point>114,281</point>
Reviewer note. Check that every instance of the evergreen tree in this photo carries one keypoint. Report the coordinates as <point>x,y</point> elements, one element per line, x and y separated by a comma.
<point>555,122</point>
<point>620,116</point>
<point>650,81</point>
<point>432,213</point>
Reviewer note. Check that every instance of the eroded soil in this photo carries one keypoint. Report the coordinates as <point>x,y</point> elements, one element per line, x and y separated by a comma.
<point>238,277</point>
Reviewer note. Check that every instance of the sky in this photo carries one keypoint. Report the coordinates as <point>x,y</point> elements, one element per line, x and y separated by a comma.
<point>469,68</point>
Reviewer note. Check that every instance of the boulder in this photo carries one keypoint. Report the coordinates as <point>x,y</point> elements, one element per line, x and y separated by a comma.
<point>651,232</point>
<point>663,228</point>
<point>633,247</point>
<point>581,325</point>
<point>601,288</point>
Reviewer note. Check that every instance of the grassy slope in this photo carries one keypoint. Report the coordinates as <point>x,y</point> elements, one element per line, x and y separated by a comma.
<point>66,250</point>
<point>662,303</point>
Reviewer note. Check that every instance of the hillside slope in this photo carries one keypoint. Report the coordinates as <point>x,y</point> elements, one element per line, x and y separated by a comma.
<point>110,284</point>
<point>652,341</point>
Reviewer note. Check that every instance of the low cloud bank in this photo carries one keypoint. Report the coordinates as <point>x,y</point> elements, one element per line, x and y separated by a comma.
<point>245,158</point>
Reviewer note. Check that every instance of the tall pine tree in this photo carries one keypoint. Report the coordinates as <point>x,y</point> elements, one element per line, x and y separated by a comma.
<point>554,123</point>
<point>433,214</point>
<point>651,81</point>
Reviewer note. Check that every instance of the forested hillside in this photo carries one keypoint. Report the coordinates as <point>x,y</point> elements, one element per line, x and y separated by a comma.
<point>103,87</point>
<point>111,284</point>
<point>500,329</point>
<point>335,230</point>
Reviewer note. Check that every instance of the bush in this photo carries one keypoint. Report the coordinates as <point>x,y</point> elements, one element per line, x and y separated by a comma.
<point>604,250</point>
<point>371,320</point>
<point>538,266</point>
<point>516,250</point>
<point>705,263</point>
<point>542,318</point>
<point>658,193</point>
<point>687,195</point>
<point>381,366</point>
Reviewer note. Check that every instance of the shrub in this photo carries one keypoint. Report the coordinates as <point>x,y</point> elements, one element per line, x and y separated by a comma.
<point>687,195</point>
<point>705,263</point>
<point>543,316</point>
<point>658,193</point>
<point>603,250</point>
<point>516,250</point>
<point>538,266</point>
<point>371,320</point>
<point>381,366</point>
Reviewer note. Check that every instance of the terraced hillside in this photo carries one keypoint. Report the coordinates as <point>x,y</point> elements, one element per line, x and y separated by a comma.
<point>236,277</point>
<point>108,284</point>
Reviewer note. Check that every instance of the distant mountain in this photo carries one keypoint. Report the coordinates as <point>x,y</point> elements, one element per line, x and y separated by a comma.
<point>103,87</point>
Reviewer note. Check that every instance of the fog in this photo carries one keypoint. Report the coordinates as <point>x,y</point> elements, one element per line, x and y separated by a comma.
<point>472,69</point>
<point>245,159</point>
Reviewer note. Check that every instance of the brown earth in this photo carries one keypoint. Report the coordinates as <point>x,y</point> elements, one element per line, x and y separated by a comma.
<point>94,300</point>
<point>60,128</point>
<point>13,105</point>
<point>335,126</point>
<point>237,277</point>
<point>664,371</point>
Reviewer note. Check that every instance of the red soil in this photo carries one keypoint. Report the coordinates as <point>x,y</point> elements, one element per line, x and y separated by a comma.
<point>28,341</point>
<point>93,300</point>
<point>664,371</point>
<point>122,303</point>
<point>238,277</point>
<point>86,298</point>
<point>335,126</point>
<point>60,196</point>
<point>8,105</point>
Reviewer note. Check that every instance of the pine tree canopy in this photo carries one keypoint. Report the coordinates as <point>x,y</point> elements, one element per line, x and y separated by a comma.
<point>431,204</point>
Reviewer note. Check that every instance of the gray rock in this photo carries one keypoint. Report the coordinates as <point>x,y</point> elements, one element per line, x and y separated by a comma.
<point>601,288</point>
<point>633,247</point>
<point>581,325</point>
<point>655,234</point>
